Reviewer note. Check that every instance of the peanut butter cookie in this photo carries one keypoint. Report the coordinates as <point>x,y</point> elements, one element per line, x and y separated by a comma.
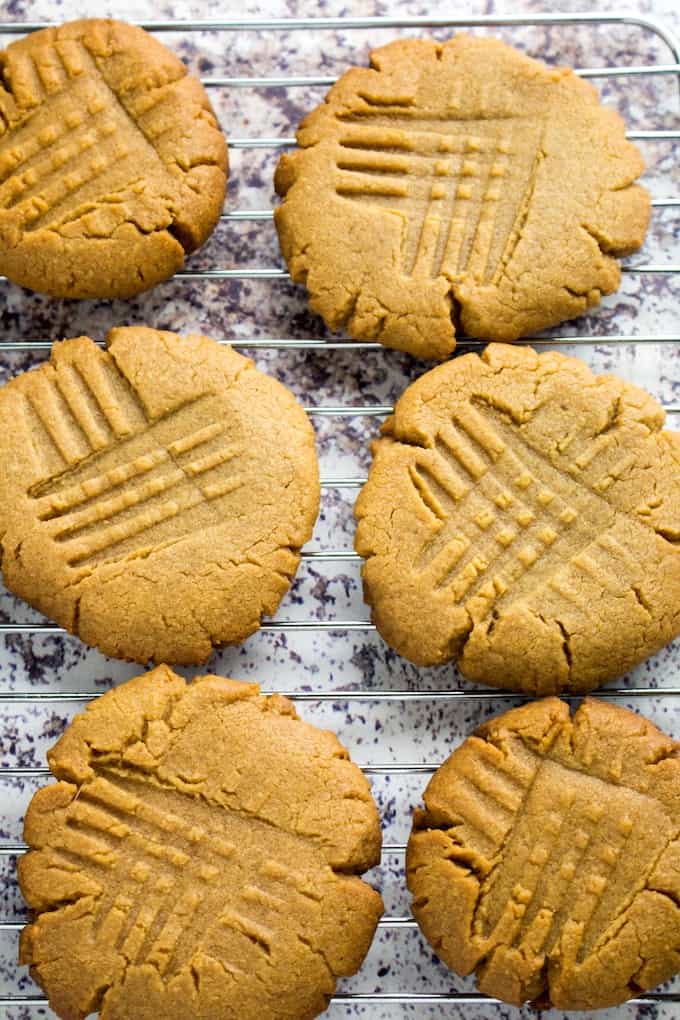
<point>547,859</point>
<point>112,164</point>
<point>458,185</point>
<point>154,496</point>
<point>522,516</point>
<point>199,856</point>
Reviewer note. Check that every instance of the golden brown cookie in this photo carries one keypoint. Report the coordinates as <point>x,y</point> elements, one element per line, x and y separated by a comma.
<point>458,185</point>
<point>547,859</point>
<point>153,497</point>
<point>112,164</point>
<point>199,857</point>
<point>522,515</point>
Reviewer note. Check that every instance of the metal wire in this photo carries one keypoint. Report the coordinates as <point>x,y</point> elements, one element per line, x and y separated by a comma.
<point>288,141</point>
<point>275,273</point>
<point>389,998</point>
<point>364,694</point>
<point>315,80</point>
<point>372,769</point>
<point>285,343</point>
<point>240,215</point>
<point>652,25</point>
<point>384,922</point>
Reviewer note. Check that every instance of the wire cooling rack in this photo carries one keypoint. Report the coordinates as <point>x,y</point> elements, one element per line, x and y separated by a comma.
<point>648,29</point>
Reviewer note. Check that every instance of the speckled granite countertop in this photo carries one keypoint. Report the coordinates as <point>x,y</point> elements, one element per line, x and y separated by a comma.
<point>387,732</point>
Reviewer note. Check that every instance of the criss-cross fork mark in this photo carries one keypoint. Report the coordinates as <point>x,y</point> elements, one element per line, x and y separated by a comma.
<point>462,186</point>
<point>75,409</point>
<point>168,874</point>
<point>80,132</point>
<point>506,518</point>
<point>158,486</point>
<point>565,848</point>
<point>112,475</point>
<point>581,832</point>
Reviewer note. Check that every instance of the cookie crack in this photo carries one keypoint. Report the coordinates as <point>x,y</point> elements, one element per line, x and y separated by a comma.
<point>642,600</point>
<point>666,893</point>
<point>318,952</point>
<point>181,234</point>
<point>566,646</point>
<point>582,295</point>
<point>669,535</point>
<point>607,247</point>
<point>97,1000</point>
<point>623,919</point>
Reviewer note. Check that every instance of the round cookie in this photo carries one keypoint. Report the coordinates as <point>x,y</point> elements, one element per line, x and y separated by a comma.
<point>112,165</point>
<point>522,516</point>
<point>199,857</point>
<point>458,186</point>
<point>154,496</point>
<point>547,859</point>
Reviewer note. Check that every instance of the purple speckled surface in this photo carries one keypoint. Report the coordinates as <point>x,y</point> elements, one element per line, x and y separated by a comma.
<point>424,730</point>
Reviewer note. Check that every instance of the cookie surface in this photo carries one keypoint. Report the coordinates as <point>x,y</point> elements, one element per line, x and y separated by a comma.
<point>199,857</point>
<point>522,515</point>
<point>112,164</point>
<point>153,497</point>
<point>547,859</point>
<point>458,185</point>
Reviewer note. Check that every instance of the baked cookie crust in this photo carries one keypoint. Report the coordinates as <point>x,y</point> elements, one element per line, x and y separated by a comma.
<point>154,497</point>
<point>522,516</point>
<point>112,164</point>
<point>458,186</point>
<point>199,856</point>
<point>547,858</point>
